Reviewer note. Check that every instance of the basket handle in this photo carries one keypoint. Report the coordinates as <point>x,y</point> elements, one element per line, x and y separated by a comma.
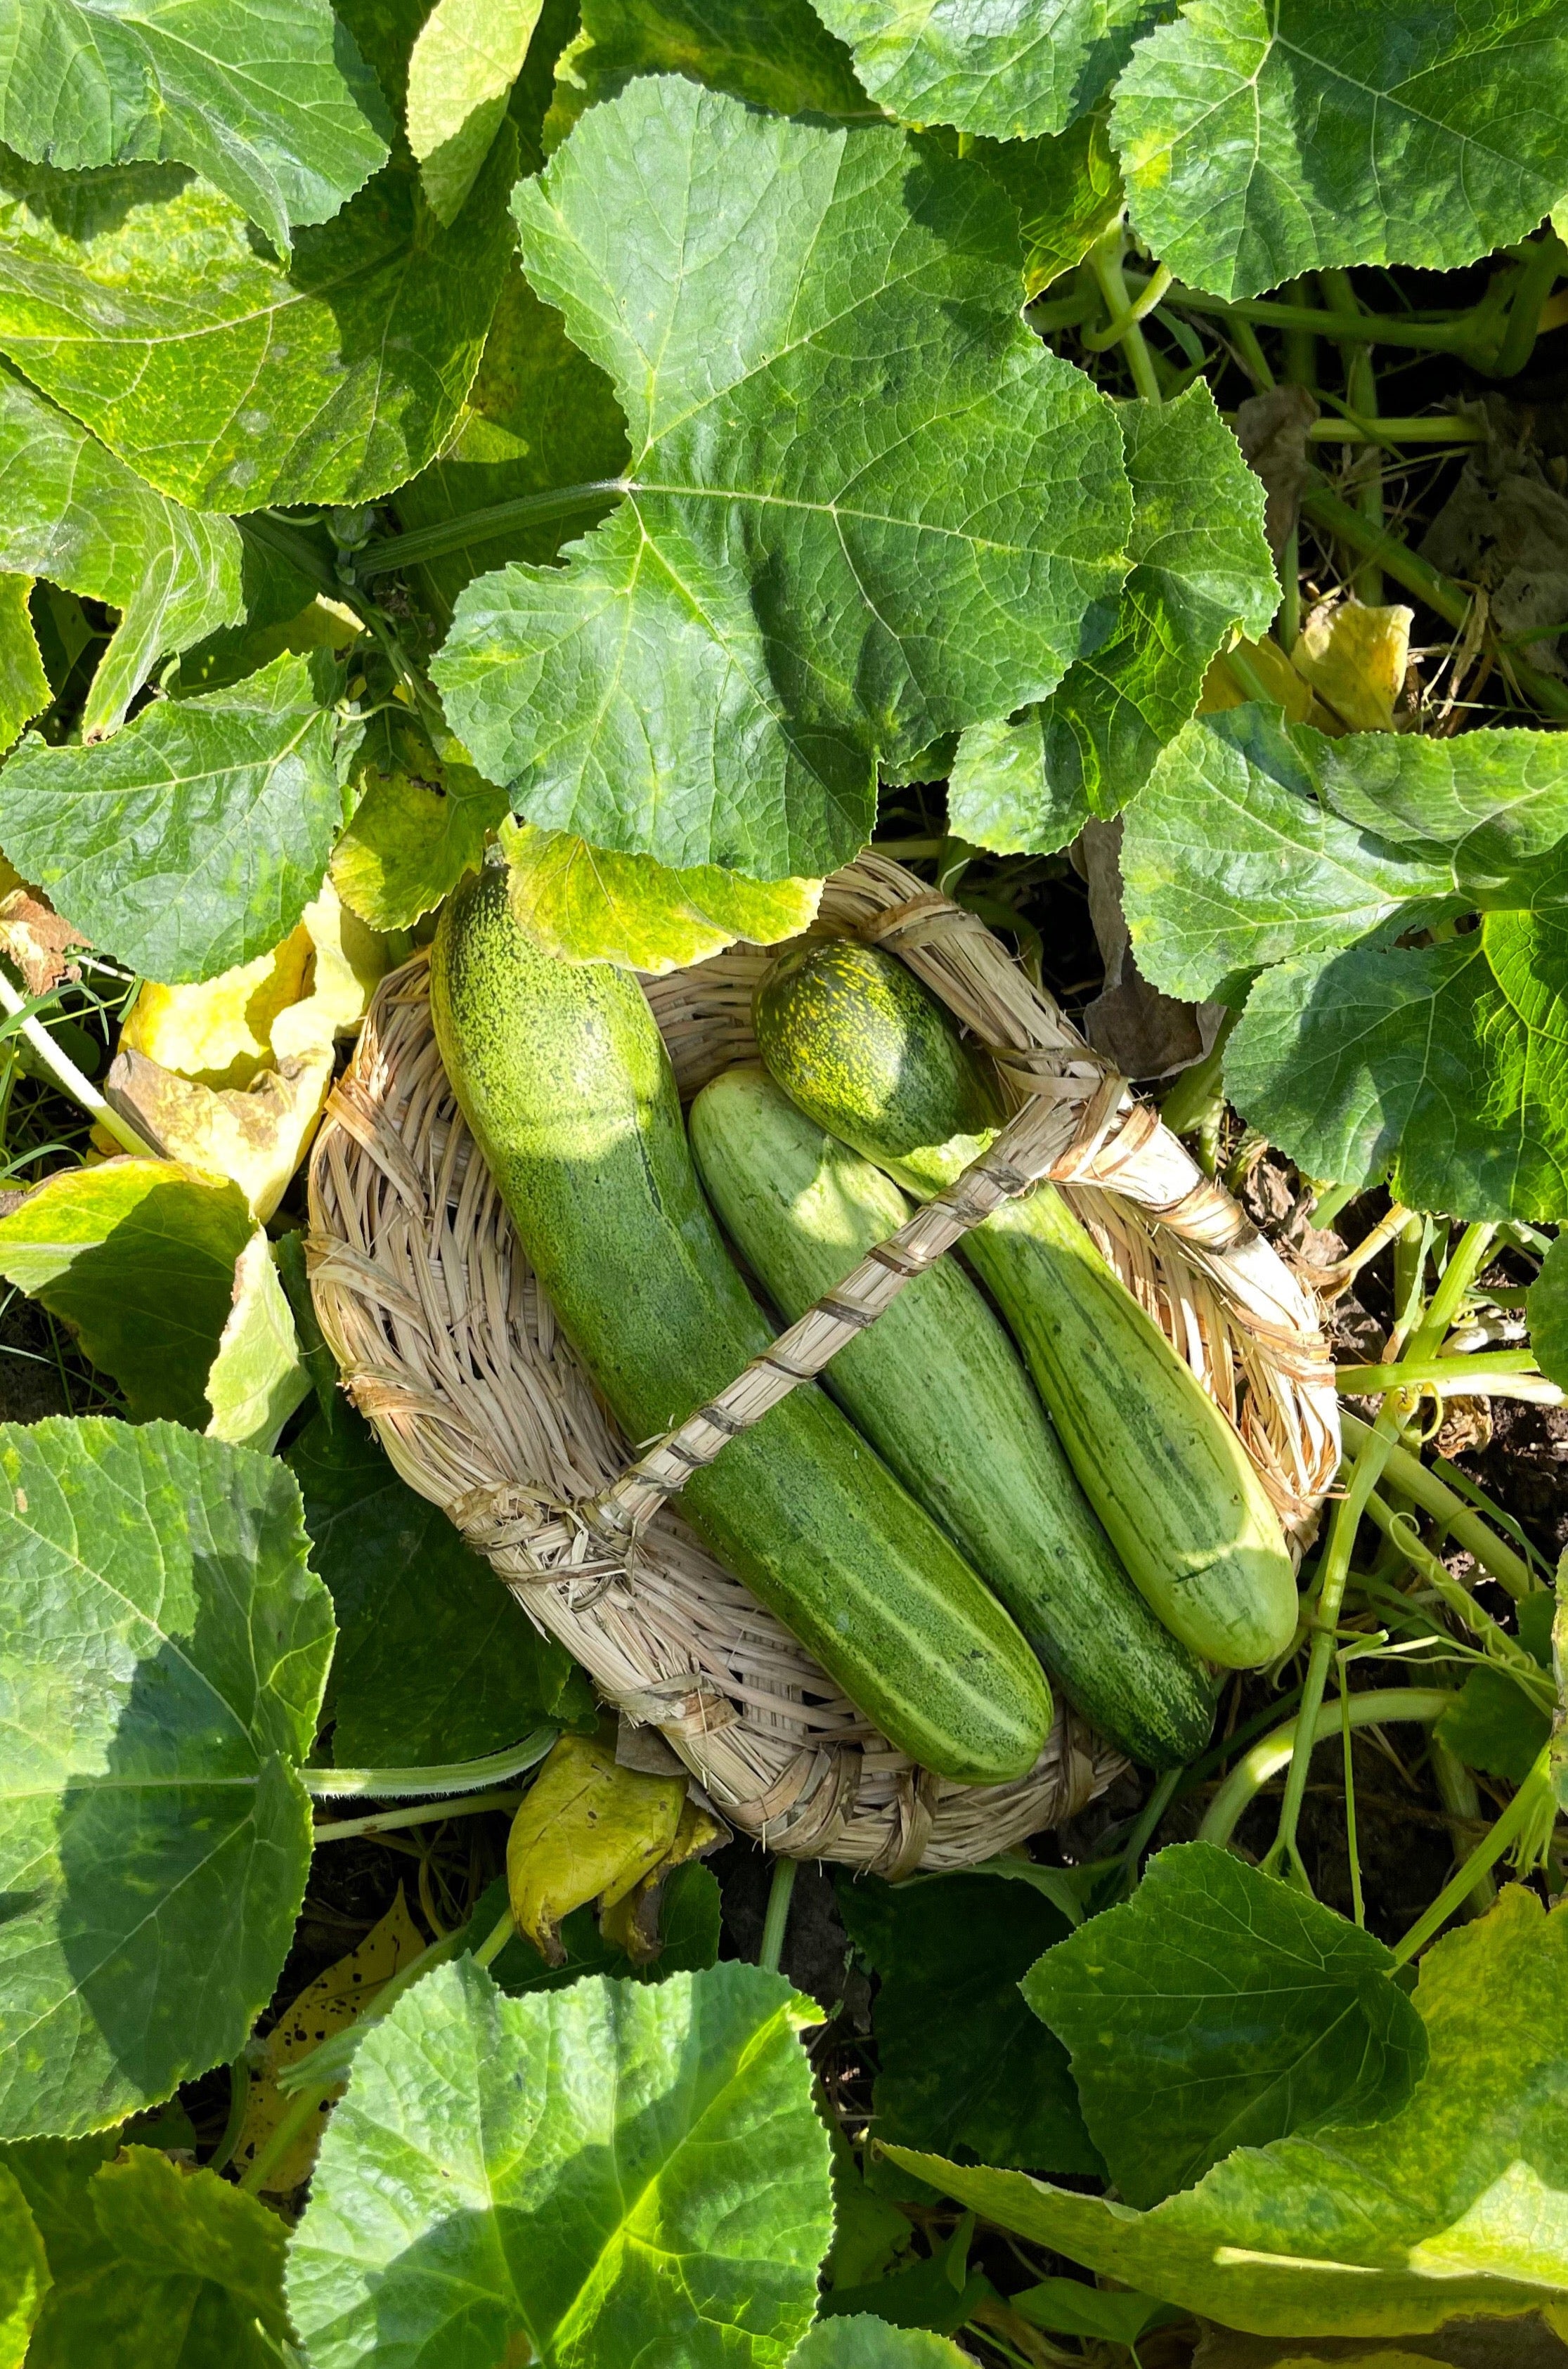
<point>1024,1152</point>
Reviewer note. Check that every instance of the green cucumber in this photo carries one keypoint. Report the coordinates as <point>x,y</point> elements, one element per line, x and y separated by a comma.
<point>564,1080</point>
<point>936,1387</point>
<point>866,1050</point>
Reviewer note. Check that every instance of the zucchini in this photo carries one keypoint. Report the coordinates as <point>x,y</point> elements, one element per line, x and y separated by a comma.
<point>866,1050</point>
<point>564,1080</point>
<point>936,1387</point>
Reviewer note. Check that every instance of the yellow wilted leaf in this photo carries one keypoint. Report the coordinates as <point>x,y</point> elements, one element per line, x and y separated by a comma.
<point>324,2006</point>
<point>631,1923</point>
<point>257,1135</point>
<point>587,1830</point>
<point>1354,658</point>
<point>1222,687</point>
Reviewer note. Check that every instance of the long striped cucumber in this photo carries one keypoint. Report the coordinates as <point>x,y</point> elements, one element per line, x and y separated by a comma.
<point>854,1038</point>
<point>936,1387</point>
<point>564,1080</point>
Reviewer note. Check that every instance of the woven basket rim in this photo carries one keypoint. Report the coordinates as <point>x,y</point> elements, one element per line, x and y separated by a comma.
<point>401,1211</point>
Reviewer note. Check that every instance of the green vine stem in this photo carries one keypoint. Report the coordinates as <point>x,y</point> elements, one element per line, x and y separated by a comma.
<point>1528,1804</point>
<point>381,1821</point>
<point>1378,1707</point>
<point>775,1923</point>
<point>1467,1376</point>
<point>1499,1646</point>
<point>1461,1797</point>
<point>1448,429</point>
<point>1464,1525</point>
<point>385,553</point>
<point>1126,311</point>
<point>68,1077</point>
<point>1366,1471</point>
<point>455,1776</point>
<point>495,1940</point>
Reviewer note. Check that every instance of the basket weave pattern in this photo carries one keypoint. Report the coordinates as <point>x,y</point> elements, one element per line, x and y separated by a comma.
<point>448,1345</point>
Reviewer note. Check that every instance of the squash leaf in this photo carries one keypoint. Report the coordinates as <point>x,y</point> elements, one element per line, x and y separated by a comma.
<point>162,1652</point>
<point>141,301</point>
<point>24,685</point>
<point>1218,2009</point>
<point>152,2265</point>
<point>24,2271</point>
<point>1263,138</point>
<point>193,840</point>
<point>774,53</point>
<point>275,106</point>
<point>567,2171</point>
<point>1455,2205</point>
<point>464,64</point>
<point>587,905</point>
<point>1201,571</point>
<point>865,2342</point>
<point>1011,71</point>
<point>815,331</point>
<point>1548,1311</point>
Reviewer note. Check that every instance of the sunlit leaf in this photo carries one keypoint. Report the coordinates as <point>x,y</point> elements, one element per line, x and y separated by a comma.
<point>587,905</point>
<point>24,686</point>
<point>70,510</point>
<point>568,2172</point>
<point>1201,570</point>
<point>163,1651</point>
<point>774,53</point>
<point>152,2265</point>
<point>256,1380</point>
<point>24,2271</point>
<point>1219,2009</point>
<point>1010,70</point>
<point>274,105</point>
<point>1458,2205</point>
<point>192,841</point>
<point>587,1830</point>
<point>1356,657</point>
<point>466,61</point>
<point>219,1033</point>
<point>1263,138</point>
<point>333,2001</point>
<point>142,300</point>
<point>865,2342</point>
<point>1067,187</point>
<point>418,826</point>
<point>815,332</point>
<point>435,1662</point>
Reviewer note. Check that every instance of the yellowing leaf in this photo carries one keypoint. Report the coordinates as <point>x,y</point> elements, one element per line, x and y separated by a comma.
<point>464,65</point>
<point>219,1033</point>
<point>256,1380</point>
<point>588,905</point>
<point>631,1923</point>
<point>1354,658</point>
<point>1223,686</point>
<point>350,958</point>
<point>256,1139</point>
<point>411,841</point>
<point>333,2001</point>
<point>587,1830</point>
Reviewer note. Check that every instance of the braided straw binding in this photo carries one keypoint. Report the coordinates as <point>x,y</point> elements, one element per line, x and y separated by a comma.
<point>448,1345</point>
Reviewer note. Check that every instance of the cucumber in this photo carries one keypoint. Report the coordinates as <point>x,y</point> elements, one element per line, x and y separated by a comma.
<point>564,1080</point>
<point>866,1050</point>
<point>936,1387</point>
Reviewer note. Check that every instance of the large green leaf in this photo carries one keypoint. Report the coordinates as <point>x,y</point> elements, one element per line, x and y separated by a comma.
<point>1548,1313</point>
<point>569,2171</point>
<point>1010,70</point>
<point>775,54</point>
<point>539,415</point>
<point>153,2268</point>
<point>193,840</point>
<point>466,61</point>
<point>163,1652</point>
<point>71,511</point>
<point>864,505</point>
<point>1263,138</point>
<point>24,2271</point>
<point>1219,2009</point>
<point>142,300</point>
<point>862,2343</point>
<point>1201,569</point>
<point>964,2065</point>
<point>435,1661</point>
<point>587,905</point>
<point>1445,1068</point>
<point>138,1257</point>
<point>275,106</point>
<point>1457,2206</point>
<point>1230,861</point>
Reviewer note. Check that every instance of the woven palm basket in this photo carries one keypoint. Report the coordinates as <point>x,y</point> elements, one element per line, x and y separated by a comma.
<point>448,1345</point>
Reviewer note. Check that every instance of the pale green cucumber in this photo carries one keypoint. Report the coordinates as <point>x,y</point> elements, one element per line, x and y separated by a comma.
<point>854,1038</point>
<point>936,1387</point>
<point>564,1080</point>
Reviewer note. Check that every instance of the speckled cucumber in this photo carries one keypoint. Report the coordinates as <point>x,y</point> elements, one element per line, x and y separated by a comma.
<point>563,1077</point>
<point>937,1388</point>
<point>866,1050</point>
